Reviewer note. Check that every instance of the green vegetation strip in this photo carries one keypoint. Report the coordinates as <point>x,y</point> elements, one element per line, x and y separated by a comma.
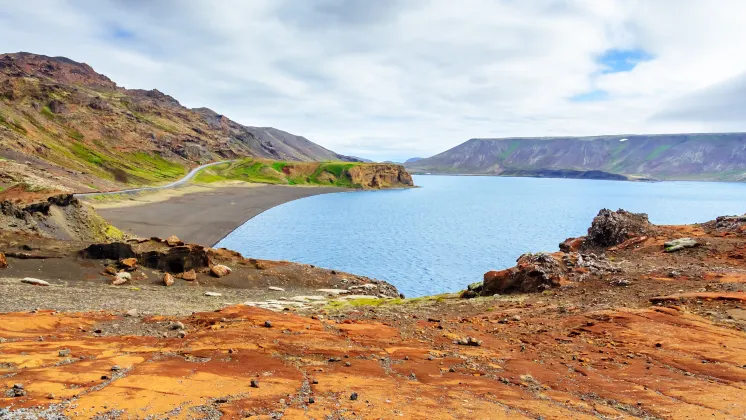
<point>281,172</point>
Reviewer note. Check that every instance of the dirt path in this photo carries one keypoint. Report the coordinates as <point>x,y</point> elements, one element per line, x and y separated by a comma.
<point>203,217</point>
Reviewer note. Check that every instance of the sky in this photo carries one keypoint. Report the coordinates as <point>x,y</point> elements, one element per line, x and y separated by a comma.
<point>395,79</point>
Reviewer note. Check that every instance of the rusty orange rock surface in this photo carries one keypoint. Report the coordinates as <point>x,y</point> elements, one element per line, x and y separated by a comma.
<point>647,363</point>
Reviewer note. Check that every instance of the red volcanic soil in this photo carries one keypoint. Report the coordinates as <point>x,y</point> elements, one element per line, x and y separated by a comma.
<point>633,332</point>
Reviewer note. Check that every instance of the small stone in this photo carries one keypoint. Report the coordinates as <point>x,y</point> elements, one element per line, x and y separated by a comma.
<point>335,359</point>
<point>190,275</point>
<point>311,400</point>
<point>468,341</point>
<point>64,352</point>
<point>621,282</point>
<point>220,270</point>
<point>268,324</point>
<point>276,289</point>
<point>129,264</point>
<point>658,345</point>
<point>679,244</point>
<point>213,294</point>
<point>173,240</point>
<point>353,396</point>
<point>451,370</point>
<point>515,318</point>
<point>254,383</point>
<point>168,279</point>
<point>3,260</point>
<point>18,386</point>
<point>105,377</point>
<point>177,326</point>
<point>315,381</point>
<point>181,334</point>
<point>131,313</point>
<point>34,282</point>
<point>112,271</point>
<point>98,331</point>
<point>348,364</point>
<point>50,396</point>
<point>121,278</point>
<point>115,368</point>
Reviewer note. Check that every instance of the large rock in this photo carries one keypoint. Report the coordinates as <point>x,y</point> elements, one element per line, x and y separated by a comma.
<point>3,261</point>
<point>190,275</point>
<point>611,228</point>
<point>572,244</point>
<point>173,241</point>
<point>220,270</point>
<point>533,273</point>
<point>112,251</point>
<point>380,176</point>
<point>176,259</point>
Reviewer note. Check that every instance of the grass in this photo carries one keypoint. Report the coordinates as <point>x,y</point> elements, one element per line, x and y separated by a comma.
<point>657,151</point>
<point>46,112</point>
<point>13,124</point>
<point>281,172</point>
<point>509,151</point>
<point>77,135</point>
<point>136,168</point>
<point>341,303</point>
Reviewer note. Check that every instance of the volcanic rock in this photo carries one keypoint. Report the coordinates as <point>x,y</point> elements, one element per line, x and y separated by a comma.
<point>533,273</point>
<point>572,244</point>
<point>611,228</point>
<point>168,279</point>
<point>220,270</point>
<point>129,264</point>
<point>679,244</point>
<point>173,241</point>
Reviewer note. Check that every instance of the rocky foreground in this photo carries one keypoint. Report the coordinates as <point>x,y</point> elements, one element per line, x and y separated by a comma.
<point>632,321</point>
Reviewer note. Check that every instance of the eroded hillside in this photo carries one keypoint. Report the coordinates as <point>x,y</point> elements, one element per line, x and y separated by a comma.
<point>65,127</point>
<point>714,156</point>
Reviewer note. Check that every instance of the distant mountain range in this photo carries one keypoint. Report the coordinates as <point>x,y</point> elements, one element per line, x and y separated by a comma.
<point>64,125</point>
<point>715,156</point>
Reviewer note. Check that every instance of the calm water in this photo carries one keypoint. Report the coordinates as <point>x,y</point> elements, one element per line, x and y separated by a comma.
<point>442,236</point>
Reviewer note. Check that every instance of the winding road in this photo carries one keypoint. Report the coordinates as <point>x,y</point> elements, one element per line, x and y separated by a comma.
<point>174,184</point>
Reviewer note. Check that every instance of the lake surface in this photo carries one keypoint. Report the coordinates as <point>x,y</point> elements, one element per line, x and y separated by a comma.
<point>447,234</point>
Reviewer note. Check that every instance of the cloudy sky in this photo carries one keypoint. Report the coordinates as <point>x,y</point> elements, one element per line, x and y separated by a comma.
<point>390,79</point>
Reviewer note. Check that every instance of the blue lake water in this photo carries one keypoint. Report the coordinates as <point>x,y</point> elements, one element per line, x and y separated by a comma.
<point>442,236</point>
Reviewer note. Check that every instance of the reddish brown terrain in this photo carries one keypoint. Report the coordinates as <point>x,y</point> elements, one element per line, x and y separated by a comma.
<point>617,325</point>
<point>65,127</point>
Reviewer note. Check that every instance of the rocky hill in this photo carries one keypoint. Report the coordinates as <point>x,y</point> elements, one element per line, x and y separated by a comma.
<point>717,156</point>
<point>339,174</point>
<point>63,126</point>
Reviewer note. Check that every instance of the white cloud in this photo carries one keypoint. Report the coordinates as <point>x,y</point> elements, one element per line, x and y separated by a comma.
<point>393,79</point>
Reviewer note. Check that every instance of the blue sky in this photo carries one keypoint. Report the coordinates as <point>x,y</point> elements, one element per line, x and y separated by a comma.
<point>392,79</point>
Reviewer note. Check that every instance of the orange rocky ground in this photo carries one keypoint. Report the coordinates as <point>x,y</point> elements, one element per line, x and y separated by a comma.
<point>635,332</point>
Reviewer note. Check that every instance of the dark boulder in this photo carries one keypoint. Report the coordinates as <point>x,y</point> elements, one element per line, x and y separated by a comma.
<point>611,228</point>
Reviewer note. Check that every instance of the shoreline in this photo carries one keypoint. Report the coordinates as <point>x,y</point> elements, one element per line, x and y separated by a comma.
<point>199,214</point>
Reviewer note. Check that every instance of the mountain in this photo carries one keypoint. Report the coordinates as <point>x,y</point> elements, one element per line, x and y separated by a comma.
<point>66,127</point>
<point>413,160</point>
<point>715,156</point>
